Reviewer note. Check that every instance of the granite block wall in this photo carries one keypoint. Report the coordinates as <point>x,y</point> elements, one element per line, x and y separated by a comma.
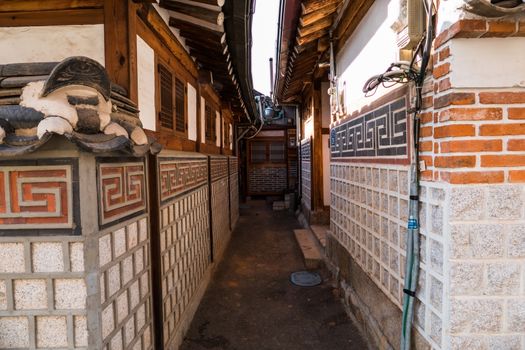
<point>42,293</point>
<point>306,173</point>
<point>369,208</point>
<point>125,290</point>
<point>219,198</point>
<point>185,241</point>
<point>234,190</point>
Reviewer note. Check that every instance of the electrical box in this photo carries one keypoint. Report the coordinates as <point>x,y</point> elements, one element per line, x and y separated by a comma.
<point>414,25</point>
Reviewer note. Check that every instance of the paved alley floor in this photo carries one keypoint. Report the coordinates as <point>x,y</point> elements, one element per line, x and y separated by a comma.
<point>251,304</point>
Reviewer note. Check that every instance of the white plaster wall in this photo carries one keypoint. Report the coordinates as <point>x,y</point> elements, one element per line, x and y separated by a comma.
<point>146,84</point>
<point>203,120</point>
<point>51,43</point>
<point>192,113</point>
<point>369,51</point>
<point>218,129</point>
<point>308,128</point>
<point>487,62</point>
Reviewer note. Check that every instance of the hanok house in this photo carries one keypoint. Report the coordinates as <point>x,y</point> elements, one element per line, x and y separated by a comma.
<point>118,174</point>
<point>468,292</point>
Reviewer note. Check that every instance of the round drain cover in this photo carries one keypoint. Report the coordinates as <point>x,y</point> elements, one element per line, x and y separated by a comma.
<point>305,278</point>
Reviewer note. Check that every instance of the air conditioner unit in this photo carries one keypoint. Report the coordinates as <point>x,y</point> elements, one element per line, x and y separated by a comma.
<point>412,32</point>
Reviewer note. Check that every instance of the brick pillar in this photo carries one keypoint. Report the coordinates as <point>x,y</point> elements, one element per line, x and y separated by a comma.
<point>473,141</point>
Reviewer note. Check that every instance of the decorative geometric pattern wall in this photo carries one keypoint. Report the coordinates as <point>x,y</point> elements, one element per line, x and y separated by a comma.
<point>122,191</point>
<point>306,173</point>
<point>219,197</point>
<point>39,198</point>
<point>184,238</point>
<point>181,175</point>
<point>381,133</point>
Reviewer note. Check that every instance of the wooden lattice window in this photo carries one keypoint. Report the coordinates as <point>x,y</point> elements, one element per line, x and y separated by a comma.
<point>180,116</point>
<point>172,111</point>
<point>268,152</point>
<point>166,97</point>
<point>211,128</point>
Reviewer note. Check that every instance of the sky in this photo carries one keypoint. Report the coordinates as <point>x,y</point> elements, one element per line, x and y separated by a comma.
<point>264,35</point>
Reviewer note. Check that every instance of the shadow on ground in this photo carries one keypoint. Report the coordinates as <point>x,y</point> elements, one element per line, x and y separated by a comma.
<point>251,304</point>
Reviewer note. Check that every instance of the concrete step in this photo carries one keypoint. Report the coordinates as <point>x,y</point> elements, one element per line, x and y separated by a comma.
<point>310,250</point>
<point>320,232</point>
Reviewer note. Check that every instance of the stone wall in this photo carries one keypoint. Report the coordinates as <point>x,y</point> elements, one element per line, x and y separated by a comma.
<point>368,217</point>
<point>80,260</point>
<point>219,201</point>
<point>233,166</point>
<point>125,292</point>
<point>306,173</point>
<point>185,255</point>
<point>42,293</point>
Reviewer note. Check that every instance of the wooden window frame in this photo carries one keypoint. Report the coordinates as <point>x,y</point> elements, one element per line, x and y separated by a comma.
<point>210,123</point>
<point>176,78</point>
<point>268,162</point>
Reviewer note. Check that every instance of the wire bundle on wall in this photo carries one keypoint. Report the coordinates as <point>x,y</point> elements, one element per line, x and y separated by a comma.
<point>403,73</point>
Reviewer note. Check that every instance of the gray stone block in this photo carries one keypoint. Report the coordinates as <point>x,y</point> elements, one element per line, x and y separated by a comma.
<point>467,203</point>
<point>3,295</point>
<point>47,257</point>
<point>436,293</point>
<point>51,331</point>
<point>466,278</point>
<point>516,316</point>
<point>12,258</point>
<point>516,241</point>
<point>14,332</point>
<point>477,241</point>
<point>436,256</point>
<point>503,278</point>
<point>30,294</point>
<point>505,202</point>
<point>476,315</point>
<point>70,294</point>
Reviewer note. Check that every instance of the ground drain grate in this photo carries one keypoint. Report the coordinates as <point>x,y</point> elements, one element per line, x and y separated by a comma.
<point>305,279</point>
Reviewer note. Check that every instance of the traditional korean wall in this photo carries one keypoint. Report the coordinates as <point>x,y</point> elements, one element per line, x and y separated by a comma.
<point>233,168</point>
<point>219,198</point>
<point>306,174</point>
<point>73,265</point>
<point>470,292</point>
<point>369,174</point>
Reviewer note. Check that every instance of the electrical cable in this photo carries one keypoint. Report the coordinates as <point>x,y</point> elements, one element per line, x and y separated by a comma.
<point>413,244</point>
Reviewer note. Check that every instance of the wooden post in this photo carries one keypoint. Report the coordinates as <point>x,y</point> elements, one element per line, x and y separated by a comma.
<point>120,44</point>
<point>317,150</point>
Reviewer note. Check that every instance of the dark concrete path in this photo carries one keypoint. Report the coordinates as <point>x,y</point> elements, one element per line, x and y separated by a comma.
<point>251,304</point>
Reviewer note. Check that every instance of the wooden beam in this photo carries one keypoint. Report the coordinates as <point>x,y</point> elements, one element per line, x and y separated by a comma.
<point>50,18</point>
<point>321,24</point>
<point>350,19</point>
<point>310,6</point>
<point>212,16</point>
<point>48,5</point>
<point>312,37</point>
<point>152,19</point>
<point>314,16</point>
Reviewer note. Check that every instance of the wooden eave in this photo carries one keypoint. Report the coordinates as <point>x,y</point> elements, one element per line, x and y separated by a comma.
<point>299,60</point>
<point>201,24</point>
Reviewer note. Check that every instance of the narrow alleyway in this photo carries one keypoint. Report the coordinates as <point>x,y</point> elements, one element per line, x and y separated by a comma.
<point>251,304</point>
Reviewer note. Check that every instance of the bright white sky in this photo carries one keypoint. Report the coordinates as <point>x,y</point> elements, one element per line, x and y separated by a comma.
<point>264,35</point>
